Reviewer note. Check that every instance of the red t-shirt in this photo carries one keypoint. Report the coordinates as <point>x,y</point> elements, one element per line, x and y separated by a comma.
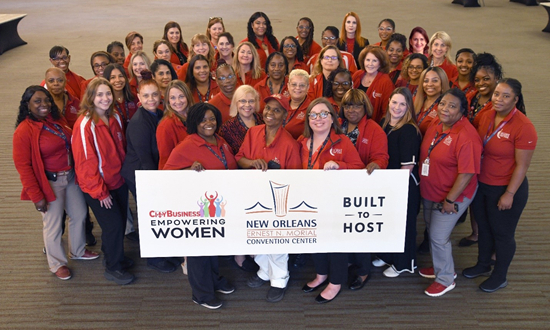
<point>263,89</point>
<point>458,153</point>
<point>194,148</point>
<point>170,132</point>
<point>223,104</point>
<point>426,117</point>
<point>283,150</point>
<point>53,149</point>
<point>294,123</point>
<point>499,162</point>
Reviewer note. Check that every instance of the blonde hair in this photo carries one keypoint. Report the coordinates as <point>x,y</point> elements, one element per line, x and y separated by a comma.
<point>255,64</point>
<point>177,84</point>
<point>239,94</point>
<point>300,73</point>
<point>447,41</point>
<point>420,97</point>
<point>87,106</point>
<point>145,59</point>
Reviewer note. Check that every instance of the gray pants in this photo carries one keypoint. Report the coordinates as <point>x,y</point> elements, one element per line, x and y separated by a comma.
<point>440,227</point>
<point>69,197</point>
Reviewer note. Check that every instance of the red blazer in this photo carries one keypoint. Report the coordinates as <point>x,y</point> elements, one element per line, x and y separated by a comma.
<point>378,92</point>
<point>99,152</point>
<point>339,149</point>
<point>28,160</point>
<point>170,132</point>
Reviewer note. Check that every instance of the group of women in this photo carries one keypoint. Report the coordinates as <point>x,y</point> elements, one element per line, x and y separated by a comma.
<point>459,129</point>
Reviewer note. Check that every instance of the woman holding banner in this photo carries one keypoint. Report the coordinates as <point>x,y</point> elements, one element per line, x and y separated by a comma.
<point>318,150</point>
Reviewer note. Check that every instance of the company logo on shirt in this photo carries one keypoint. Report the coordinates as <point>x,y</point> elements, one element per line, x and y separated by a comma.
<point>448,140</point>
<point>364,141</point>
<point>501,134</point>
<point>73,110</point>
<point>119,136</point>
<point>301,115</point>
<point>432,114</point>
<point>334,151</point>
<point>377,95</point>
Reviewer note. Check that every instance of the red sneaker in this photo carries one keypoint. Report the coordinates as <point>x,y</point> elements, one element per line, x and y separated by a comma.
<point>436,289</point>
<point>429,273</point>
<point>63,273</point>
<point>88,255</point>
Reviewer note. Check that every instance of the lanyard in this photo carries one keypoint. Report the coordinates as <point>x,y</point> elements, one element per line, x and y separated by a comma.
<point>501,125</point>
<point>222,159</point>
<point>435,142</point>
<point>243,123</point>
<point>475,109</point>
<point>287,120</point>
<point>310,164</point>
<point>271,89</point>
<point>126,117</point>
<point>59,132</point>
<point>428,111</point>
<point>207,96</point>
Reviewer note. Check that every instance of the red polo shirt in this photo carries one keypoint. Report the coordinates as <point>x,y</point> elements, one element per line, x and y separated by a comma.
<point>194,148</point>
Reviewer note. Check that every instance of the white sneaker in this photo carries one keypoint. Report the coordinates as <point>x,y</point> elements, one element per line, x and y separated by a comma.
<point>391,272</point>
<point>378,263</point>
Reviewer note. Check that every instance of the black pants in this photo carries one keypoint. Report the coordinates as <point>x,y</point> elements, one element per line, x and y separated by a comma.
<point>204,277</point>
<point>406,260</point>
<point>496,229</point>
<point>333,264</point>
<point>112,222</point>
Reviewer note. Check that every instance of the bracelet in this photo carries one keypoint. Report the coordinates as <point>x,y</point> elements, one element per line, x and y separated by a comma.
<point>448,200</point>
<point>509,192</point>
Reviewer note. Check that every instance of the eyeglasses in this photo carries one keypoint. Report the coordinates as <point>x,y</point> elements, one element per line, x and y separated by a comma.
<point>343,84</point>
<point>418,68</point>
<point>215,18</point>
<point>303,27</point>
<point>224,78</point>
<point>64,58</point>
<point>100,65</point>
<point>246,102</point>
<point>290,46</point>
<point>387,29</point>
<point>353,107</point>
<point>300,86</point>
<point>329,38</point>
<point>323,115</point>
<point>327,57</point>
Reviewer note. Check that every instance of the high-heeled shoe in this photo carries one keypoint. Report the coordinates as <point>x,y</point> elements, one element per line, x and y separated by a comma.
<point>320,299</point>
<point>308,289</point>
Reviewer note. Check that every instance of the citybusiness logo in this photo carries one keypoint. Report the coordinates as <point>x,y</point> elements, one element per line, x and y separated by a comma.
<point>280,195</point>
<point>212,205</point>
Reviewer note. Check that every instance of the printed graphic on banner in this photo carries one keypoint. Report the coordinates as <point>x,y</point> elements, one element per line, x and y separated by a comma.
<point>190,213</point>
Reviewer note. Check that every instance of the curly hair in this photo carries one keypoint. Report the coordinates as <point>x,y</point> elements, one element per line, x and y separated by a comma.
<point>24,111</point>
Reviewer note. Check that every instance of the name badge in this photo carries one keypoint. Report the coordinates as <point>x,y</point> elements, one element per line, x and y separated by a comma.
<point>425,167</point>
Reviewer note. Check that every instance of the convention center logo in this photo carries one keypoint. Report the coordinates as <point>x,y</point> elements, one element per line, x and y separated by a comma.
<point>280,197</point>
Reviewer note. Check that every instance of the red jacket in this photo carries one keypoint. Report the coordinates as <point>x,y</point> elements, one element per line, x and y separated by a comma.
<point>263,90</point>
<point>316,87</point>
<point>339,149</point>
<point>99,152</point>
<point>28,160</point>
<point>372,143</point>
<point>170,132</point>
<point>378,92</point>
<point>261,53</point>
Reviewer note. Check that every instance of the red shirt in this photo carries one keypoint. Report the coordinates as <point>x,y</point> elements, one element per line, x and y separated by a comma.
<point>499,162</point>
<point>249,80</point>
<point>28,159</point>
<point>223,104</point>
<point>263,89</point>
<point>474,117</point>
<point>53,149</point>
<point>170,132</point>
<point>73,83</point>
<point>83,86</point>
<point>72,107</point>
<point>372,143</point>
<point>283,150</point>
<point>194,148</point>
<point>126,110</point>
<point>315,48</point>
<point>378,92</point>
<point>294,123</point>
<point>315,90</point>
<point>99,152</point>
<point>338,149</point>
<point>424,119</point>
<point>458,153</point>
<point>261,52</point>
<point>467,89</point>
<point>127,61</point>
<point>449,68</point>
<point>212,91</point>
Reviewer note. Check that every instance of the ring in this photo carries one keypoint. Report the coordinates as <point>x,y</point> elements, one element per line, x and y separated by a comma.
<point>451,213</point>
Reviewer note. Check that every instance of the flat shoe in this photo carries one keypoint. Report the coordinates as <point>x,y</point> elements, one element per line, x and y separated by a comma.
<point>308,289</point>
<point>464,242</point>
<point>320,299</point>
<point>358,284</point>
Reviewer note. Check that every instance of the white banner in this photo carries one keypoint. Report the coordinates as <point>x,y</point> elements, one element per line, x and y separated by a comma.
<point>238,212</point>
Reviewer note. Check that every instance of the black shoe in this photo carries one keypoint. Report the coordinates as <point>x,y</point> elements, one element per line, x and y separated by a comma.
<point>492,284</point>
<point>255,281</point>
<point>300,261</point>
<point>90,239</point>
<point>177,261</point>
<point>162,266</point>
<point>308,289</point>
<point>275,294</point>
<point>227,289</point>
<point>249,265</point>
<point>119,276</point>
<point>424,247</point>
<point>358,284</point>
<point>464,242</point>
<point>133,236</point>
<point>320,299</point>
<point>212,304</point>
<point>476,271</point>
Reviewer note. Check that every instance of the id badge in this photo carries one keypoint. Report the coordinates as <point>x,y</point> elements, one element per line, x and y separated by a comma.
<point>425,167</point>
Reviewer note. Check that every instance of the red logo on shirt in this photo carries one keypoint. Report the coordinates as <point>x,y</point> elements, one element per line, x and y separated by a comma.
<point>503,134</point>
